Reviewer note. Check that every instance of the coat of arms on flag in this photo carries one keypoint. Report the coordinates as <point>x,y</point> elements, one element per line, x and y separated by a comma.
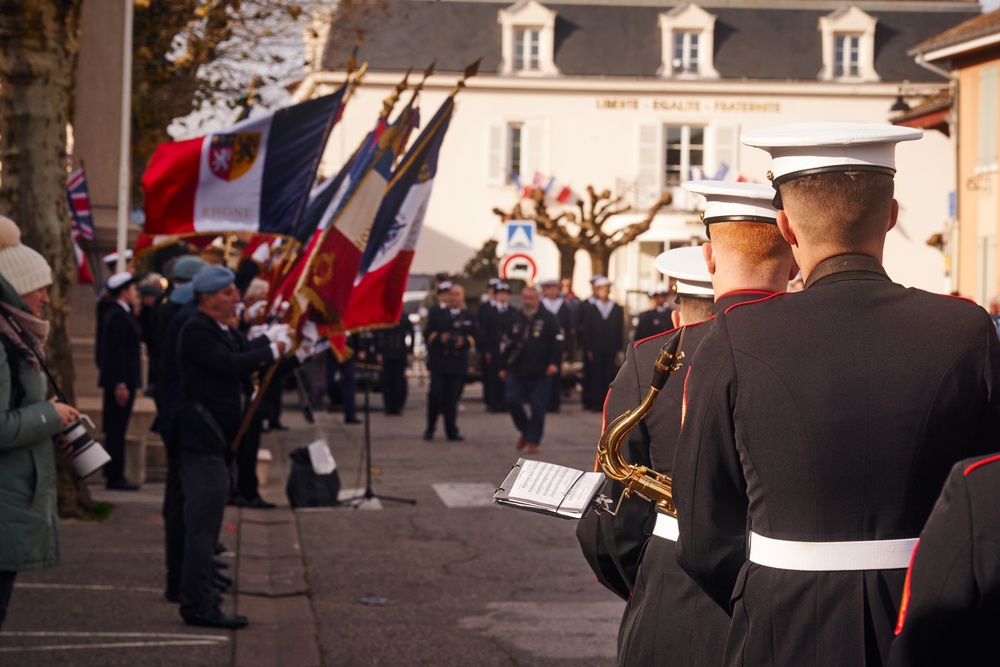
<point>232,155</point>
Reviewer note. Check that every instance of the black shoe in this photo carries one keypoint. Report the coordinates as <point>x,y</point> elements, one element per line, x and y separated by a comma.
<point>428,435</point>
<point>220,563</point>
<point>121,485</point>
<point>352,421</point>
<point>308,414</point>
<point>456,438</point>
<point>261,504</point>
<point>217,619</point>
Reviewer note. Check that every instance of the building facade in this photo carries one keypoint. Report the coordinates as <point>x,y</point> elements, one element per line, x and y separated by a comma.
<point>970,52</point>
<point>636,97</point>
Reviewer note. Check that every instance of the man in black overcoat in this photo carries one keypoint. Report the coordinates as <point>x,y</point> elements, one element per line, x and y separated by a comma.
<point>494,319</point>
<point>120,375</point>
<point>552,300</point>
<point>657,319</point>
<point>216,363</point>
<point>602,338</point>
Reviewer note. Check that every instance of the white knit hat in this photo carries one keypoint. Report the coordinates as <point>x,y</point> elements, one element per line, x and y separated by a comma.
<point>23,267</point>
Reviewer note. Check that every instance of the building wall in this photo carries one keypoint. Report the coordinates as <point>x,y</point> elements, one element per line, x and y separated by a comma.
<point>591,137</point>
<point>979,189</point>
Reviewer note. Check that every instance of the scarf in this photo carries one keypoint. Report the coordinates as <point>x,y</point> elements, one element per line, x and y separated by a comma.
<point>34,329</point>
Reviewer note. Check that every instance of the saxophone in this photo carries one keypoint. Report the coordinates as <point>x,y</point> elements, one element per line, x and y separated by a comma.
<point>649,484</point>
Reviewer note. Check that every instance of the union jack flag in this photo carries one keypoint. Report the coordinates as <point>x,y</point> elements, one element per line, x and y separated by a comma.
<point>79,205</point>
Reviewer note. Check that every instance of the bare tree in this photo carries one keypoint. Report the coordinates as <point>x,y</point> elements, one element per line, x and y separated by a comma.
<point>38,47</point>
<point>586,228</point>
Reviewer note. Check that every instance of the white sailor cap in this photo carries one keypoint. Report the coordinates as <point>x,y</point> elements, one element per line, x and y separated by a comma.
<point>501,287</point>
<point>594,278</point>
<point>658,288</point>
<point>600,281</point>
<point>113,257</point>
<point>804,149</point>
<point>444,286</point>
<point>493,282</point>
<point>686,265</point>
<point>734,202</point>
<point>118,281</point>
<point>549,282</point>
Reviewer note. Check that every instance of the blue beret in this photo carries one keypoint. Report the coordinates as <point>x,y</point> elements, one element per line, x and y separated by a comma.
<point>212,279</point>
<point>182,294</point>
<point>187,266</point>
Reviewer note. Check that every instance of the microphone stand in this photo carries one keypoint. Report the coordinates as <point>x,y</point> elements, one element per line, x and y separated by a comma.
<point>369,493</point>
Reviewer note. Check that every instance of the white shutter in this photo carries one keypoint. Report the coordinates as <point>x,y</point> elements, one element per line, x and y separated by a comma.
<point>722,148</point>
<point>496,162</point>
<point>649,180</point>
<point>534,152</point>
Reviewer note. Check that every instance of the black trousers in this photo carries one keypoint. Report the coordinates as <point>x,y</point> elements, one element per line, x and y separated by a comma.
<point>442,399</point>
<point>555,393</point>
<point>601,374</point>
<point>493,386</point>
<point>173,509</point>
<point>6,588</point>
<point>246,460</point>
<point>394,388</point>
<point>115,418</point>
<point>206,482</point>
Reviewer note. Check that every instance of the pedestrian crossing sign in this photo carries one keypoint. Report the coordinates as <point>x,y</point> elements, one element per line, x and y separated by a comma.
<point>520,236</point>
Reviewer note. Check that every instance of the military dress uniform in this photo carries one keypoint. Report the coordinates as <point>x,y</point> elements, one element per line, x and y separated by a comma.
<point>790,438</point>
<point>564,316</point>
<point>653,322</point>
<point>602,340</point>
<point>120,365</point>
<point>449,333</point>
<point>394,345</point>
<point>494,320</point>
<point>951,604</point>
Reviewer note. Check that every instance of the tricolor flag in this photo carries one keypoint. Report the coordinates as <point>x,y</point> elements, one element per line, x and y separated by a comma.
<point>378,292</point>
<point>79,205</point>
<point>327,279</point>
<point>253,176</point>
<point>559,193</point>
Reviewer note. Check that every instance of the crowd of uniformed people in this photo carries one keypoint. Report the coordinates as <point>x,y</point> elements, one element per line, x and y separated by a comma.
<point>806,434</point>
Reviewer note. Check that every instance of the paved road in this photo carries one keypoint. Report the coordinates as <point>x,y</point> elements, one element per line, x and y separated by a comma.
<point>448,580</point>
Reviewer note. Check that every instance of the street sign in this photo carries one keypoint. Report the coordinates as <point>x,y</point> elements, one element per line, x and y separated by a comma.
<point>520,236</point>
<point>518,266</point>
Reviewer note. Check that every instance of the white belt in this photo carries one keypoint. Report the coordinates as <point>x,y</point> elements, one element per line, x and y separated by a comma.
<point>666,527</point>
<point>831,556</point>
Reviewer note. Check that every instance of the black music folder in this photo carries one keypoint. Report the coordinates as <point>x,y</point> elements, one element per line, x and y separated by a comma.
<point>550,489</point>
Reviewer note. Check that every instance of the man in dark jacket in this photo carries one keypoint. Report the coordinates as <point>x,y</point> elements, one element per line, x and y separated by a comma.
<point>602,338</point>
<point>530,359</point>
<point>120,372</point>
<point>657,319</point>
<point>450,333</point>
<point>216,363</point>
<point>494,319</point>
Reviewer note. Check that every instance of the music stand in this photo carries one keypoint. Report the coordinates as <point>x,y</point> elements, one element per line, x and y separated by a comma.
<point>369,493</point>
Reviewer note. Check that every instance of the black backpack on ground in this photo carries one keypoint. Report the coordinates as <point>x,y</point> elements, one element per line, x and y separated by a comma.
<point>306,488</point>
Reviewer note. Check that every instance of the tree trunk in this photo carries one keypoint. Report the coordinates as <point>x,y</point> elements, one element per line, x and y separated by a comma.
<point>38,44</point>
<point>567,261</point>
<point>600,259</point>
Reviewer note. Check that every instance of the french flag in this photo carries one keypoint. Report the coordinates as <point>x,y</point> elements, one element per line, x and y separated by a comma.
<point>253,176</point>
<point>377,298</point>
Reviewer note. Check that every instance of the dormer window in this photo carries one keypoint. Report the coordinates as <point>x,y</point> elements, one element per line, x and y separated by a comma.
<point>848,43</point>
<point>845,55</point>
<point>526,49</point>
<point>688,42</point>
<point>527,39</point>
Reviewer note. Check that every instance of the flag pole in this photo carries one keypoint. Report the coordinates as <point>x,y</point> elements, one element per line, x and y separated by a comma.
<point>125,138</point>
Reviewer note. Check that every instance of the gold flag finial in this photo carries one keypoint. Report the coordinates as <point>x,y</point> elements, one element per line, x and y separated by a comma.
<point>469,72</point>
<point>397,90</point>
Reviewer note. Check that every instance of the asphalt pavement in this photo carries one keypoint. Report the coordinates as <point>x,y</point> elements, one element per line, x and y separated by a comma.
<point>415,567</point>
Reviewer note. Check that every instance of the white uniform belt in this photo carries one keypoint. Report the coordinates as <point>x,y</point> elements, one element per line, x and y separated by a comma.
<point>831,556</point>
<point>666,527</point>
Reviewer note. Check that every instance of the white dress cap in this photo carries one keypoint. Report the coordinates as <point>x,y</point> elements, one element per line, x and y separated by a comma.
<point>687,267</point>
<point>113,257</point>
<point>119,279</point>
<point>734,202</point>
<point>600,281</point>
<point>802,149</point>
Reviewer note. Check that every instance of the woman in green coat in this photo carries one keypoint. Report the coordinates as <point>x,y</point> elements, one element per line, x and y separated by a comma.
<point>28,421</point>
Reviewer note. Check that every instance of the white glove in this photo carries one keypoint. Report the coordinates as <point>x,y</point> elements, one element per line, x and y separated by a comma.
<point>283,337</point>
<point>262,254</point>
<point>256,331</point>
<point>310,335</point>
<point>254,312</point>
<point>277,332</point>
